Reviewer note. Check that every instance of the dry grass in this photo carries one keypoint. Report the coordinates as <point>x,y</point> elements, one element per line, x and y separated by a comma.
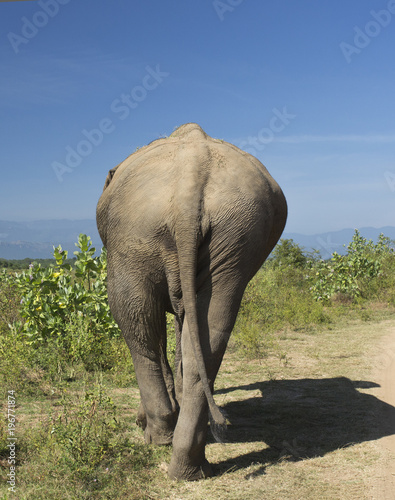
<point>301,426</point>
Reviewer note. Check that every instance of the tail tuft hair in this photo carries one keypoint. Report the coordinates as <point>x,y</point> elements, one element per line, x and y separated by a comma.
<point>218,428</point>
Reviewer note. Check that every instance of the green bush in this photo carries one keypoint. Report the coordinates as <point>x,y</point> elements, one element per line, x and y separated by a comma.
<point>293,290</point>
<point>85,441</point>
<point>351,275</point>
<point>55,322</point>
<point>9,301</point>
<point>45,369</point>
<point>288,253</point>
<point>86,428</point>
<point>55,297</point>
<point>278,298</point>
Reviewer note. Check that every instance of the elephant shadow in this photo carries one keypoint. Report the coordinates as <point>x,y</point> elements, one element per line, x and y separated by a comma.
<point>301,419</point>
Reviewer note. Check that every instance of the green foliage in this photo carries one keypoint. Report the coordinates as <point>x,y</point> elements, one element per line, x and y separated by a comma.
<point>56,320</point>
<point>44,370</point>
<point>54,298</point>
<point>292,290</point>
<point>86,428</point>
<point>9,301</point>
<point>288,253</point>
<point>86,442</point>
<point>94,348</point>
<point>278,298</point>
<point>171,339</point>
<point>348,275</point>
<point>18,264</point>
<point>13,362</point>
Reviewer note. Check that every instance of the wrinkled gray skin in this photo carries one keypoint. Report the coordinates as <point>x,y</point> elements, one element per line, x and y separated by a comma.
<point>187,221</point>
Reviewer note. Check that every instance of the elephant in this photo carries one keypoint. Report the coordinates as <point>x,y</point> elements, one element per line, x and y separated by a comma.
<point>187,221</point>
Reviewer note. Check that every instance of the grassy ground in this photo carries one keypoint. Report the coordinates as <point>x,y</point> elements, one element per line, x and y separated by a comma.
<point>301,425</point>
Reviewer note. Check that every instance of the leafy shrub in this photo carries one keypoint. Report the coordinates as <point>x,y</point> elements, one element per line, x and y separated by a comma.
<point>288,253</point>
<point>13,363</point>
<point>44,370</point>
<point>85,442</point>
<point>349,275</point>
<point>85,427</point>
<point>9,301</point>
<point>91,347</point>
<point>55,321</point>
<point>55,297</point>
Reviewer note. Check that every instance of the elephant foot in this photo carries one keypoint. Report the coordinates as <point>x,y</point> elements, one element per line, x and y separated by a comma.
<point>189,473</point>
<point>158,438</point>
<point>159,431</point>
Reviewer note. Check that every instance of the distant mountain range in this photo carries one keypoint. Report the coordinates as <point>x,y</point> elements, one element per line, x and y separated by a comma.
<point>336,241</point>
<point>35,239</point>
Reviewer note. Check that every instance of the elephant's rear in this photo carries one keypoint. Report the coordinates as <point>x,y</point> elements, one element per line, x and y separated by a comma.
<point>175,193</point>
<point>244,208</point>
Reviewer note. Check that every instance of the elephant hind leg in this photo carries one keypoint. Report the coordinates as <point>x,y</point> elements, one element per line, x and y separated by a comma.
<point>158,411</point>
<point>160,426</point>
<point>143,325</point>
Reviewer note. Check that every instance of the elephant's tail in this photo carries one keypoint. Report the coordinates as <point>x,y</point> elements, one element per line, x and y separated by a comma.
<point>188,266</point>
<point>187,248</point>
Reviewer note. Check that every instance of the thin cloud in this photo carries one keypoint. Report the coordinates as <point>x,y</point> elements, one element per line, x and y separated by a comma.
<point>54,80</point>
<point>367,139</point>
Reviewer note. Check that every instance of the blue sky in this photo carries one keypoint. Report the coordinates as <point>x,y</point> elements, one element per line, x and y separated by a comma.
<point>306,86</point>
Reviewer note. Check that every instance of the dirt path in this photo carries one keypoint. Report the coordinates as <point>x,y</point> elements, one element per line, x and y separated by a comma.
<point>384,375</point>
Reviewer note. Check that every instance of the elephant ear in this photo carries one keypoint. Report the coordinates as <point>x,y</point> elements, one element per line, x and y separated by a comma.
<point>109,177</point>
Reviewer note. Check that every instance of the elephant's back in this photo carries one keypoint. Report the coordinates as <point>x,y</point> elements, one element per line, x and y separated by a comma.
<point>189,171</point>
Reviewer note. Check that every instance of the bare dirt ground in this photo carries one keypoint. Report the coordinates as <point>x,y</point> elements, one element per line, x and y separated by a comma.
<point>384,376</point>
